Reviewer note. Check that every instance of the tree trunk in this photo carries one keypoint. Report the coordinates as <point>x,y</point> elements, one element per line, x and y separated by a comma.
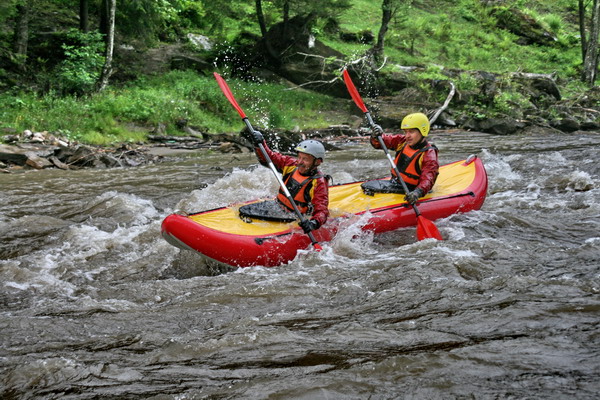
<point>107,69</point>
<point>83,16</point>
<point>590,63</point>
<point>104,18</point>
<point>261,18</point>
<point>21,29</point>
<point>286,17</point>
<point>386,17</point>
<point>263,30</point>
<point>582,29</point>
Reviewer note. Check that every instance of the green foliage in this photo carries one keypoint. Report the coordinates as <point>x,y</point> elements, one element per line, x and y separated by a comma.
<point>463,34</point>
<point>466,82</point>
<point>511,102</point>
<point>553,22</point>
<point>431,72</point>
<point>82,64</point>
<point>105,117</point>
<point>7,9</point>
<point>454,33</point>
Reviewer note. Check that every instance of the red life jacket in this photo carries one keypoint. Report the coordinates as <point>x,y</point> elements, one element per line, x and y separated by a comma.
<point>408,161</point>
<point>300,188</point>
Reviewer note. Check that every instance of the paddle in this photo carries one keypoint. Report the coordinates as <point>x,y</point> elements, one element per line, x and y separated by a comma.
<point>425,228</point>
<point>227,92</point>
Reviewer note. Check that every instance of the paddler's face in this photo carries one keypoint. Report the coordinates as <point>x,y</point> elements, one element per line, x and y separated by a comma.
<point>413,136</point>
<point>306,163</point>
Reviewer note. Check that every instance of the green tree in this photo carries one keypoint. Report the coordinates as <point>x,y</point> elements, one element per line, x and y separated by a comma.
<point>80,69</point>
<point>389,8</point>
<point>84,7</point>
<point>110,42</point>
<point>21,36</point>
<point>589,48</point>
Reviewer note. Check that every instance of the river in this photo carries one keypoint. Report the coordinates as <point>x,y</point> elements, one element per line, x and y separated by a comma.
<point>95,304</point>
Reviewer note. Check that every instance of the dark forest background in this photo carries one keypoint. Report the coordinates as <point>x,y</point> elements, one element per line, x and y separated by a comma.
<point>104,71</point>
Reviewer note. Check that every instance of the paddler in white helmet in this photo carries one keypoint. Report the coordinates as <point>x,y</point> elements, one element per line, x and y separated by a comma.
<point>307,185</point>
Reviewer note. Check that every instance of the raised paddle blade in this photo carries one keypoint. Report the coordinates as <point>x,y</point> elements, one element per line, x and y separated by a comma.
<point>227,92</point>
<point>427,229</point>
<point>353,92</point>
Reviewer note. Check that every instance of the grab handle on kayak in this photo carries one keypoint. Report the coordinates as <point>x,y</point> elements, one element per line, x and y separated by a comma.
<point>469,160</point>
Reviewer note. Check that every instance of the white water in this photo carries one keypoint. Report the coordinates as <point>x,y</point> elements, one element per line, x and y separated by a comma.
<point>94,303</point>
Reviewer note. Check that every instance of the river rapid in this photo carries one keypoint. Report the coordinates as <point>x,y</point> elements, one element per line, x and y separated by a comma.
<point>94,304</point>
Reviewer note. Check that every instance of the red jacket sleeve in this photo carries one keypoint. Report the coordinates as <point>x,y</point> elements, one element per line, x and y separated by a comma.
<point>279,160</point>
<point>392,142</point>
<point>429,170</point>
<point>320,201</point>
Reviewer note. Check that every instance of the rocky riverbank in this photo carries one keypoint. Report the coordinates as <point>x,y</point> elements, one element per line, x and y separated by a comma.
<point>41,150</point>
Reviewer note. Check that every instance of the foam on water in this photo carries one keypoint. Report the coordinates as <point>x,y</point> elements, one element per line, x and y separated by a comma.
<point>236,187</point>
<point>129,209</point>
<point>83,251</point>
<point>505,306</point>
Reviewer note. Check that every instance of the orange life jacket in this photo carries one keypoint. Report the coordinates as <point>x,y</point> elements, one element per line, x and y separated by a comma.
<point>408,161</point>
<point>301,189</point>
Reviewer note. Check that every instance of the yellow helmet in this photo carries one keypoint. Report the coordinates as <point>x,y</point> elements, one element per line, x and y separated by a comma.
<point>416,121</point>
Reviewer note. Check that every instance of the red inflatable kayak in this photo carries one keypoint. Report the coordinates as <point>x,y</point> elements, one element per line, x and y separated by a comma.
<point>221,235</point>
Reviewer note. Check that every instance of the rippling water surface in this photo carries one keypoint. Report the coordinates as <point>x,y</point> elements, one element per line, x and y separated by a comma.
<point>95,304</point>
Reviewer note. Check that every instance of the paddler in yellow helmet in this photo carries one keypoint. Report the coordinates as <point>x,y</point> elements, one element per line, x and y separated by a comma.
<point>416,158</point>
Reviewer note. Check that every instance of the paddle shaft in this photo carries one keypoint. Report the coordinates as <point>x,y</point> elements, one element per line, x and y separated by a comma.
<point>272,167</point>
<point>392,163</point>
<point>425,228</point>
<point>359,102</point>
<point>225,88</point>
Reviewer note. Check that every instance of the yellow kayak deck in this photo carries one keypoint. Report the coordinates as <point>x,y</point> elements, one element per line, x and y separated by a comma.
<point>343,200</point>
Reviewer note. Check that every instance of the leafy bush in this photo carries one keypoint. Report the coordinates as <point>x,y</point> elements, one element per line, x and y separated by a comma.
<point>81,67</point>
<point>511,103</point>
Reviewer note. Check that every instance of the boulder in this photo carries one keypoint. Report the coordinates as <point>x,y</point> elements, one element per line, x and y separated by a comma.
<point>497,126</point>
<point>566,124</point>
<point>26,154</point>
<point>525,27</point>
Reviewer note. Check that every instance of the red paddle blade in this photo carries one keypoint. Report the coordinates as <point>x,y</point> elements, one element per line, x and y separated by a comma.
<point>353,92</point>
<point>427,229</point>
<point>227,92</point>
<point>317,247</point>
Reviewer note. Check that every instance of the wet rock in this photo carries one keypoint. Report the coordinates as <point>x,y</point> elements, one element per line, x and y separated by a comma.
<point>79,155</point>
<point>57,163</point>
<point>109,161</point>
<point>37,162</point>
<point>565,124</point>
<point>590,126</point>
<point>497,126</point>
<point>12,154</point>
<point>229,148</point>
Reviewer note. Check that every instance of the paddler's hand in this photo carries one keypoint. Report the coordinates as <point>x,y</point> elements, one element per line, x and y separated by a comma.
<point>413,196</point>
<point>376,130</point>
<point>309,225</point>
<point>257,138</point>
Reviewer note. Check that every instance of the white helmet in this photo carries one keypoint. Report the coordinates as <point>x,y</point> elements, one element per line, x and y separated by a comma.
<point>312,147</point>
